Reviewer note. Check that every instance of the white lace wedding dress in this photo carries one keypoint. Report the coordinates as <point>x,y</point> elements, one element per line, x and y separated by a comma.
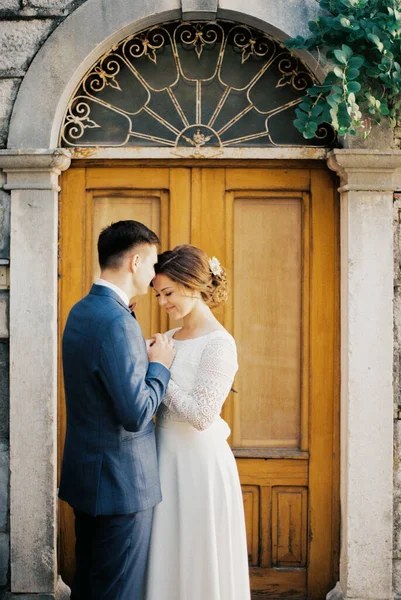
<point>198,545</point>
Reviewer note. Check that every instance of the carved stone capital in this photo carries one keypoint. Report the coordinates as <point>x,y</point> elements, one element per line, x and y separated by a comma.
<point>34,169</point>
<point>366,170</point>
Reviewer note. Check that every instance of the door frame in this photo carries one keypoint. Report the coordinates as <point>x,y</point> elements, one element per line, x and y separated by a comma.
<point>368,180</point>
<point>301,182</point>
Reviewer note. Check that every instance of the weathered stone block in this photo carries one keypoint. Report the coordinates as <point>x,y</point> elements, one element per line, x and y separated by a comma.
<point>4,486</point>
<point>4,558</point>
<point>193,9</point>
<point>4,224</point>
<point>30,597</point>
<point>4,316</point>
<point>397,578</point>
<point>49,4</point>
<point>10,4</point>
<point>19,42</point>
<point>4,391</point>
<point>380,138</point>
<point>62,592</point>
<point>8,93</point>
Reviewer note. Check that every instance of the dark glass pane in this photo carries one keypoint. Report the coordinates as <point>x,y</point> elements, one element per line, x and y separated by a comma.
<point>92,124</point>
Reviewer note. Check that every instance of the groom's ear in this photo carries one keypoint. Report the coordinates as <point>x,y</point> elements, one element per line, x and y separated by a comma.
<point>134,262</point>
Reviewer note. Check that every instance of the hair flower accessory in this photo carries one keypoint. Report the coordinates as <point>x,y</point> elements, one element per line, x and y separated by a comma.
<point>215,266</point>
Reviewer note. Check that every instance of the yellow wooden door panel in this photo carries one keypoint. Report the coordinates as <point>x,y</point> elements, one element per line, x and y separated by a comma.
<point>289,526</point>
<point>270,249</point>
<point>276,231</point>
<point>142,178</point>
<point>324,405</point>
<point>267,285</point>
<point>284,584</point>
<point>268,473</point>
<point>180,206</point>
<point>251,496</point>
<point>71,289</point>
<point>268,179</point>
<point>208,215</point>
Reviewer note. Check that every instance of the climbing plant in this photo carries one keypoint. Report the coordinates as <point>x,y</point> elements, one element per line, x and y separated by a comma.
<point>361,42</point>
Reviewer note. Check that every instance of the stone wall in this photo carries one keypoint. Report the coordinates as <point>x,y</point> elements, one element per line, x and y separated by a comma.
<point>24,27</point>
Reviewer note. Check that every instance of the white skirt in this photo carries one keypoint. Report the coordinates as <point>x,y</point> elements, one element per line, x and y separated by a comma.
<point>198,547</point>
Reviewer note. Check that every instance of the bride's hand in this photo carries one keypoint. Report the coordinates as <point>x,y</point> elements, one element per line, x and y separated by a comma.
<point>161,349</point>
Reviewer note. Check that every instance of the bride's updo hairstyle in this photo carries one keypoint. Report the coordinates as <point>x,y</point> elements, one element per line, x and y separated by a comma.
<point>191,267</point>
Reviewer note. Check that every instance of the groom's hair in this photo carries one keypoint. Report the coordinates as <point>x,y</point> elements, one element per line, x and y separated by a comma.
<point>116,240</point>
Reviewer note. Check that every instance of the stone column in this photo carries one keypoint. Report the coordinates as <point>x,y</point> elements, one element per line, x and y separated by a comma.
<point>367,184</point>
<point>32,178</point>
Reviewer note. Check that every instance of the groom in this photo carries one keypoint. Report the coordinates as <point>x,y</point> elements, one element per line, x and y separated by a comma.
<point>113,389</point>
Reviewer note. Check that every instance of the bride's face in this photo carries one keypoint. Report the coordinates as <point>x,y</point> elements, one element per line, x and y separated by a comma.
<point>176,299</point>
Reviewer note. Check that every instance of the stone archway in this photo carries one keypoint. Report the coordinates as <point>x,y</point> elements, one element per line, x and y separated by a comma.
<point>73,48</point>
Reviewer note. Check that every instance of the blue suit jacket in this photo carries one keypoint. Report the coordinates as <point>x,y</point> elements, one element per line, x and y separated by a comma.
<point>112,392</point>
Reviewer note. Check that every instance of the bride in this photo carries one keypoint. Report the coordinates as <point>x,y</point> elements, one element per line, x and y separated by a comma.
<point>198,545</point>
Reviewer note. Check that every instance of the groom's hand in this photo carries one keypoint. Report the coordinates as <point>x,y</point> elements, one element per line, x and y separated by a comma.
<point>161,349</point>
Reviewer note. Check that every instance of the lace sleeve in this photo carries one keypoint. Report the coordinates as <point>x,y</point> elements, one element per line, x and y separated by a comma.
<point>217,368</point>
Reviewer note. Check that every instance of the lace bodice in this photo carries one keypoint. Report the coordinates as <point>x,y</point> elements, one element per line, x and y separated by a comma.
<point>201,377</point>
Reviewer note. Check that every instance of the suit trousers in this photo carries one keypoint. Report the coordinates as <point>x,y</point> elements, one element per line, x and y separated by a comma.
<point>111,554</point>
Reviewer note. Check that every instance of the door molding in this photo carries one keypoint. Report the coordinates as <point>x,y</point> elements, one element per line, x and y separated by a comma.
<point>214,191</point>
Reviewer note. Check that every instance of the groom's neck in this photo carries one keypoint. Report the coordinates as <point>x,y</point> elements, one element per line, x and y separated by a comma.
<point>121,280</point>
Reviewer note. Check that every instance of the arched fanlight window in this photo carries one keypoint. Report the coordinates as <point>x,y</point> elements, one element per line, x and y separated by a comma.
<point>192,85</point>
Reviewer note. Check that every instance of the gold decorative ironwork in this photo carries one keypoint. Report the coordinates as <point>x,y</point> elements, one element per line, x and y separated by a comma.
<point>195,87</point>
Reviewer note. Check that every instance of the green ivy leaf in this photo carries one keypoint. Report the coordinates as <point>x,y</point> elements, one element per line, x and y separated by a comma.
<point>295,43</point>
<point>347,51</point>
<point>310,130</point>
<point>375,39</point>
<point>316,110</point>
<point>368,83</point>
<point>300,125</point>
<point>339,72</point>
<point>352,74</point>
<point>354,86</point>
<point>340,56</point>
<point>301,116</point>
<point>305,106</point>
<point>355,62</point>
<point>334,100</point>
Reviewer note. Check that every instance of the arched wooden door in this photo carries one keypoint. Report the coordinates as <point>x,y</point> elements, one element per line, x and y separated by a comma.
<point>275,227</point>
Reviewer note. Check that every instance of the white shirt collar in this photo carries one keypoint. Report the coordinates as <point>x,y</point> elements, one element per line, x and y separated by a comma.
<point>115,288</point>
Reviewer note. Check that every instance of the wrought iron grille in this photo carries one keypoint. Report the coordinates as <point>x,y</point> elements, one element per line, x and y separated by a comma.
<point>192,85</point>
